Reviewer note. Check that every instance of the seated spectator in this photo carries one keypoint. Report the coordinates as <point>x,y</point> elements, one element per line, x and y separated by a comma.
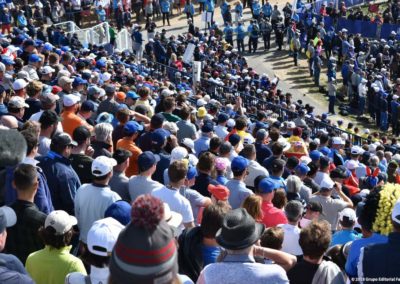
<point>314,241</point>
<point>254,169</point>
<point>102,143</point>
<point>293,212</point>
<point>205,167</point>
<point>238,190</point>
<point>252,204</point>
<point>54,262</point>
<point>119,181</point>
<point>81,160</point>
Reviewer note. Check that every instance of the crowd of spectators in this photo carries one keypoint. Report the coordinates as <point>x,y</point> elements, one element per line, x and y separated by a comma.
<point>119,168</point>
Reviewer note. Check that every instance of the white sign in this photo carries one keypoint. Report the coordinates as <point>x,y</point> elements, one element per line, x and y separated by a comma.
<point>187,56</point>
<point>196,71</point>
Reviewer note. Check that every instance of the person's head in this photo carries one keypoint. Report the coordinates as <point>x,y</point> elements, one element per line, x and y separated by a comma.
<point>144,93</point>
<point>25,180</point>
<point>16,106</point>
<point>277,149</point>
<point>132,129</point>
<point>239,167</point>
<point>279,199</point>
<point>169,104</point>
<point>12,148</point>
<point>34,89</point>
<point>215,144</point>
<point>82,136</point>
<point>206,162</point>
<point>147,163</point>
<point>102,169</point>
<point>213,216</point>
<point>49,122</point>
<point>103,132</point>
<point>313,210</point>
<point>147,237</point>
<point>157,121</point>
<point>8,218</point>
<point>294,211</point>
<point>249,152</point>
<point>239,231</point>
<point>272,238</point>
<point>101,239</point>
<point>252,204</point>
<point>301,170</point>
<point>241,123</point>
<point>177,172</point>
<point>278,166</point>
<point>293,184</point>
<point>65,83</point>
<point>122,157</point>
<point>62,143</point>
<point>57,231</point>
<point>315,239</point>
<point>225,149</point>
<point>347,218</point>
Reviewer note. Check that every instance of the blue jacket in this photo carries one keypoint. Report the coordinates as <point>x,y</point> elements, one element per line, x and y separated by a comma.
<point>256,8</point>
<point>241,32</point>
<point>159,50</point>
<point>62,180</point>
<point>42,196</point>
<point>189,9</point>
<point>210,5</point>
<point>137,37</point>
<point>228,32</point>
<point>239,9</point>
<point>224,8</point>
<point>267,9</point>
<point>165,6</point>
<point>5,18</point>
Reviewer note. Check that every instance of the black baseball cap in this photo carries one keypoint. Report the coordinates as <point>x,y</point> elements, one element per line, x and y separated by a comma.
<point>80,134</point>
<point>340,172</point>
<point>157,120</point>
<point>121,155</point>
<point>63,139</point>
<point>278,164</point>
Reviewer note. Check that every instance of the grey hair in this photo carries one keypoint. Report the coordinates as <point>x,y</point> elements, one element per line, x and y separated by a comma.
<point>293,184</point>
<point>103,131</point>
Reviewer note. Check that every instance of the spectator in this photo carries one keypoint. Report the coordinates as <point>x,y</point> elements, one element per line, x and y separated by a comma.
<point>119,181</point>
<point>236,186</point>
<point>54,262</point>
<point>93,199</point>
<point>293,212</point>
<point>102,144</point>
<point>347,220</point>
<point>81,160</point>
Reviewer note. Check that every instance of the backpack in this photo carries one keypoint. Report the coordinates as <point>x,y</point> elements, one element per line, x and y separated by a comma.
<point>372,177</point>
<point>255,31</point>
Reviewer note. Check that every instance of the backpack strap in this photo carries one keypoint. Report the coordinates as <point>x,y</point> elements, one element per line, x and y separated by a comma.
<point>87,280</point>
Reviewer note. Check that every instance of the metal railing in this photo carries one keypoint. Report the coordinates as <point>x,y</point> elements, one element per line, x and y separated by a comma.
<point>123,40</point>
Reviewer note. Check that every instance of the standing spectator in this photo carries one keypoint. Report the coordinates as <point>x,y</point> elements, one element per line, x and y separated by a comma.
<point>332,95</point>
<point>254,169</point>
<point>272,216</point>
<point>119,181</point>
<point>102,144</point>
<point>70,120</point>
<point>165,9</point>
<point>93,199</point>
<point>293,212</point>
<point>6,21</point>
<point>81,160</point>
<point>314,241</point>
<point>347,220</point>
<point>189,9</point>
<point>11,270</point>
<point>202,144</point>
<point>61,178</point>
<point>49,122</point>
<point>54,262</point>
<point>131,132</point>
<point>102,237</point>
<point>22,238</point>
<point>237,187</point>
<point>241,34</point>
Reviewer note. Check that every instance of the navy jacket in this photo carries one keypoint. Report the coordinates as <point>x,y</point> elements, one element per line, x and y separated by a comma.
<point>383,260</point>
<point>62,180</point>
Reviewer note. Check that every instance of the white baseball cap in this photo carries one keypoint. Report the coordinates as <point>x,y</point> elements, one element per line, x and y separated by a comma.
<point>189,143</point>
<point>327,183</point>
<point>173,218</point>
<point>105,76</point>
<point>19,84</point>
<point>178,154</point>
<point>60,221</point>
<point>357,150</point>
<point>351,164</point>
<point>337,141</point>
<point>349,213</point>
<point>17,102</point>
<point>47,70</point>
<point>396,212</point>
<point>102,165</point>
<point>103,235</point>
<point>201,102</point>
<point>70,100</point>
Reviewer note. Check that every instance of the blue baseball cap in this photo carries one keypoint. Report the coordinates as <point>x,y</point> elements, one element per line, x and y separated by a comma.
<point>261,125</point>
<point>35,58</point>
<point>239,163</point>
<point>146,160</point>
<point>302,168</point>
<point>266,185</point>
<point>88,106</point>
<point>65,48</point>
<point>8,60</point>
<point>315,155</point>
<point>120,211</point>
<point>48,46</point>
<point>79,81</point>
<point>132,95</point>
<point>159,136</point>
<point>38,42</point>
<point>325,151</point>
<point>207,127</point>
<point>222,117</point>
<point>101,63</point>
<point>132,127</point>
<point>192,172</point>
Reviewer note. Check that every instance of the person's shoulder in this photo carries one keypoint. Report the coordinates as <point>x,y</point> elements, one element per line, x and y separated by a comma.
<point>10,276</point>
<point>75,278</point>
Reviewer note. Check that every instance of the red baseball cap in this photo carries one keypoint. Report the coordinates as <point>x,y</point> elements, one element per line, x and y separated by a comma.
<point>220,192</point>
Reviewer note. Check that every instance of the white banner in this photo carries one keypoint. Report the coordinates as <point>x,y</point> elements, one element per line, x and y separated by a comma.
<point>187,56</point>
<point>196,71</point>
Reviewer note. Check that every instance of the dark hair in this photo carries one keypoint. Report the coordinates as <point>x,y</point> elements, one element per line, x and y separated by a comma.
<point>238,173</point>
<point>57,148</point>
<point>240,123</point>
<point>257,182</point>
<point>213,216</point>
<point>206,162</point>
<point>315,239</point>
<point>122,115</point>
<point>169,103</point>
<point>185,112</point>
<point>272,238</point>
<point>215,143</point>
<point>25,176</point>
<point>93,259</point>
<point>31,139</point>
<point>177,171</point>
<point>279,200</point>
<point>248,151</point>
<point>277,148</point>
<point>49,237</point>
<point>274,134</point>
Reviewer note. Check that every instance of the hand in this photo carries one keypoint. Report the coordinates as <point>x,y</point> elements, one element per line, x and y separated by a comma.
<point>338,187</point>
<point>89,151</point>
